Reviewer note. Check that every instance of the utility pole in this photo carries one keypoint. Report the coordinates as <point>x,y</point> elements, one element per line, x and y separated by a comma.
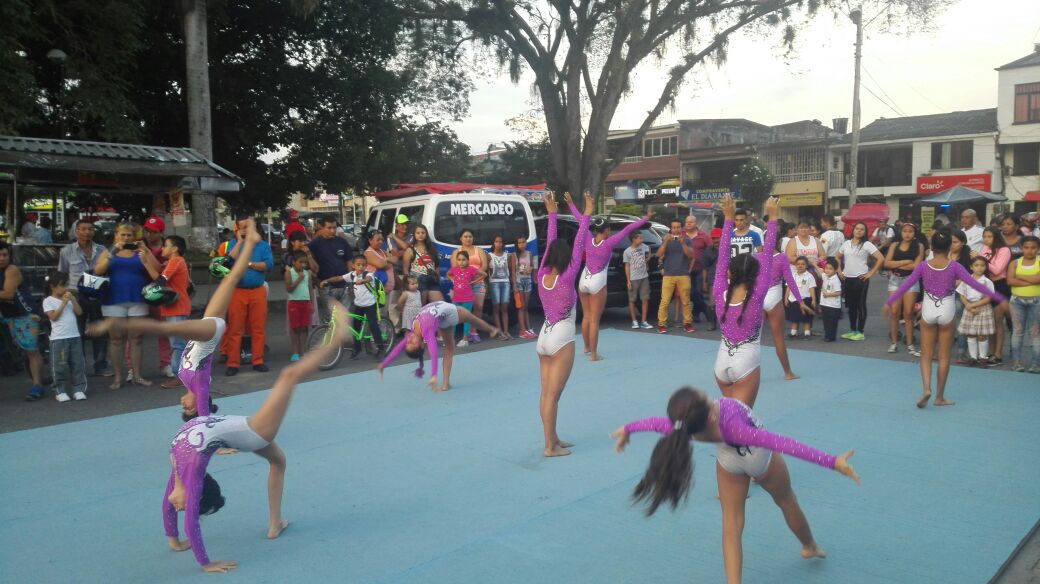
<point>200,130</point>
<point>857,17</point>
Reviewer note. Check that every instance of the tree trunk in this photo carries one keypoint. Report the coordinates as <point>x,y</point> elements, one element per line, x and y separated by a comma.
<point>200,129</point>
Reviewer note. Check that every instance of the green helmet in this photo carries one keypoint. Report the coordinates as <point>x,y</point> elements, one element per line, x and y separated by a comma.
<point>157,295</point>
<point>220,266</point>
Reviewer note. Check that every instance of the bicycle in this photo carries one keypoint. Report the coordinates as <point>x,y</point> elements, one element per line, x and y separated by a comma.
<point>322,333</point>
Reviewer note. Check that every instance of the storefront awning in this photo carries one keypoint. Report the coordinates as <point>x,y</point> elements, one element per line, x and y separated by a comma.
<point>101,166</point>
<point>1032,197</point>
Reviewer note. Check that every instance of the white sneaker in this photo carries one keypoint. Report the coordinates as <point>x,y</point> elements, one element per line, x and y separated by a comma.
<point>463,343</point>
<point>62,397</point>
<point>893,348</point>
<point>635,324</point>
<point>913,350</point>
<point>167,372</point>
<point>80,396</point>
<point>645,325</point>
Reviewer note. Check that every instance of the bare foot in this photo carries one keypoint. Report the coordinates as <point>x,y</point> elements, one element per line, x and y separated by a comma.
<point>445,387</point>
<point>226,451</point>
<point>813,551</point>
<point>790,376</point>
<point>943,402</point>
<point>141,381</point>
<point>275,531</point>
<point>587,351</point>
<point>116,383</point>
<point>595,357</point>
<point>564,444</point>
<point>921,403</point>
<point>555,451</point>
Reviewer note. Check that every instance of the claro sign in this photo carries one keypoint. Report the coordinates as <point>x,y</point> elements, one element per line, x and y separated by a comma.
<point>930,185</point>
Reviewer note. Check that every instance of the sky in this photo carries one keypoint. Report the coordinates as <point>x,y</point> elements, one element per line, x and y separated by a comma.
<point>948,69</point>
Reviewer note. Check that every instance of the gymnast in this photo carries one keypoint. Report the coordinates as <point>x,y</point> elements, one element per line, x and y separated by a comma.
<point>435,317</point>
<point>939,277</point>
<point>739,291</point>
<point>744,450</point>
<point>774,309</point>
<point>203,335</point>
<point>192,490</point>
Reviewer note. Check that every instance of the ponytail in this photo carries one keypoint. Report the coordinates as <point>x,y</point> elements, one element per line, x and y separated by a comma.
<point>416,354</point>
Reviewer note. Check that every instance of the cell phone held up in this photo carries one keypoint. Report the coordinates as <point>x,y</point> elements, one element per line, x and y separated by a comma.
<point>129,246</point>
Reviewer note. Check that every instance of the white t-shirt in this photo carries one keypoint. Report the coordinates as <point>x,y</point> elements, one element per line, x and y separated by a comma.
<point>363,297</point>
<point>65,327</point>
<point>806,282</point>
<point>856,257</point>
<point>972,294</point>
<point>888,233</point>
<point>635,257</point>
<point>832,241</point>
<point>831,284</point>
<point>975,238</point>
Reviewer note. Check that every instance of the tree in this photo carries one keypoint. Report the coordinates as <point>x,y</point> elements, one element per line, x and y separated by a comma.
<point>522,162</point>
<point>755,183</point>
<point>583,54</point>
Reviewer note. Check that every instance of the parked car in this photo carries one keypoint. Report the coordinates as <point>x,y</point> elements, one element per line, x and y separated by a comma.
<point>617,289</point>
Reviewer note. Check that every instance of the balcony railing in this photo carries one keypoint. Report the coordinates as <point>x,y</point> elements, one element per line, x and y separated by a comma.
<point>837,180</point>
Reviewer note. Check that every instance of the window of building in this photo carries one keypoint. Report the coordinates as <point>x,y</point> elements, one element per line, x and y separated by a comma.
<point>1027,103</point>
<point>888,167</point>
<point>1026,159</point>
<point>946,155</point>
<point>661,147</point>
<point>797,164</point>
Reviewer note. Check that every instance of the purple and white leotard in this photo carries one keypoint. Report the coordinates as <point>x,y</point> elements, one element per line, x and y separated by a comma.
<point>740,351</point>
<point>781,269</point>
<point>594,276</point>
<point>558,302</point>
<point>197,364</point>
<point>432,317</point>
<point>192,448</point>
<point>940,305</point>
<point>739,428</point>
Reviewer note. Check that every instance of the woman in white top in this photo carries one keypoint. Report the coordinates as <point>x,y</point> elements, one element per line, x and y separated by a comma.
<point>856,274</point>
<point>804,244</point>
<point>498,261</point>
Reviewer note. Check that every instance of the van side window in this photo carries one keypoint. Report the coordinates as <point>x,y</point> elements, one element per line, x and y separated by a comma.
<point>386,221</point>
<point>414,214</point>
<point>486,218</point>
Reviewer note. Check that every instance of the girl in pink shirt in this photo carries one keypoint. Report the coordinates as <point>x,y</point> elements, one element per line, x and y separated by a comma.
<point>463,277</point>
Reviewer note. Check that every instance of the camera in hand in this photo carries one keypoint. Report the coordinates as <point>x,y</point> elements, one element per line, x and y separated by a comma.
<point>129,246</point>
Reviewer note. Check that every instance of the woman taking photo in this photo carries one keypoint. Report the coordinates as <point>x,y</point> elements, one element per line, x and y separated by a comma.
<point>901,260</point>
<point>857,251</point>
<point>421,260</point>
<point>479,260</point>
<point>124,264</point>
<point>378,261</point>
<point>998,255</point>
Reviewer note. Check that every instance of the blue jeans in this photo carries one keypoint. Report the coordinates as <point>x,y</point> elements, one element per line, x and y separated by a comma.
<point>1025,319</point>
<point>499,292</point>
<point>68,365</point>
<point>176,345</point>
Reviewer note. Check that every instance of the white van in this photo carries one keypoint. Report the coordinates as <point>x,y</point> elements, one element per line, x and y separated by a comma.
<point>446,215</point>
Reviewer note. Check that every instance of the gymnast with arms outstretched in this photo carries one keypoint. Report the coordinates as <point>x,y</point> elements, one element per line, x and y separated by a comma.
<point>196,493</point>
<point>744,450</point>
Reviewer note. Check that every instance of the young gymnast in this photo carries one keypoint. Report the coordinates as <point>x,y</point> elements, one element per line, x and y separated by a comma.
<point>739,291</point>
<point>592,287</point>
<point>939,277</point>
<point>435,317</point>
<point>191,490</point>
<point>774,309</point>
<point>203,335</point>
<point>555,347</point>
<point>743,450</point>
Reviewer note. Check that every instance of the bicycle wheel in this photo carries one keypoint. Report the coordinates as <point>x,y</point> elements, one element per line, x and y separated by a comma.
<point>387,331</point>
<point>316,339</point>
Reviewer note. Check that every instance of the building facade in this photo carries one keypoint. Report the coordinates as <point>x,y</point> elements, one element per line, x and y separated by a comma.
<point>1018,120</point>
<point>648,174</point>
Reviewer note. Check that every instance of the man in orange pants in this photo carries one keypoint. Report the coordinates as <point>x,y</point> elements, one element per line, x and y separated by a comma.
<point>248,304</point>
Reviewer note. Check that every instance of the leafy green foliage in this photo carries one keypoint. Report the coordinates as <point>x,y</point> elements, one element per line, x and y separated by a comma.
<point>755,184</point>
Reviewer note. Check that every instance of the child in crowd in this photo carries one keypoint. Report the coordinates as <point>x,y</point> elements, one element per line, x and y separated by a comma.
<point>1024,278</point>
<point>635,257</point>
<point>708,263</point>
<point>806,282</point>
<point>365,289</point>
<point>977,322</point>
<point>830,300</point>
<point>67,362</point>
<point>298,287</point>
<point>175,276</point>
<point>463,276</point>
<point>523,264</point>
<point>410,303</point>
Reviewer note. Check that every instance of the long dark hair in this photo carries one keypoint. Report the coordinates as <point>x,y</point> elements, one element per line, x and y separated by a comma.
<point>431,250</point>
<point>558,256</point>
<point>964,257</point>
<point>670,474</point>
<point>212,410</point>
<point>419,354</point>
<point>210,501</point>
<point>998,238</point>
<point>852,234</point>
<point>781,228</point>
<point>743,269</point>
<point>941,240</point>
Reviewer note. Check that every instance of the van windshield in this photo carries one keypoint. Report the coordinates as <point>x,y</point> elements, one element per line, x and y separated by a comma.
<point>485,218</point>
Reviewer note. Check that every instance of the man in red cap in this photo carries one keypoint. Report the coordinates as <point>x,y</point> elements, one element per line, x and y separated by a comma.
<point>294,225</point>
<point>153,238</point>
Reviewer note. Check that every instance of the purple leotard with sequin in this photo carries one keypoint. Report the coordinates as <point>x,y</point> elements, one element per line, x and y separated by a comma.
<point>432,317</point>
<point>192,448</point>
<point>782,273</point>
<point>197,364</point>
<point>598,256</point>
<point>735,333</point>
<point>738,427</point>
<point>939,284</point>
<point>558,302</point>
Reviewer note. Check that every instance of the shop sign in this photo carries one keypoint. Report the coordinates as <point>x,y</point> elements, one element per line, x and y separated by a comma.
<point>927,218</point>
<point>930,185</point>
<point>712,194</point>
<point>802,200</point>
<point>177,208</point>
<point>645,190</point>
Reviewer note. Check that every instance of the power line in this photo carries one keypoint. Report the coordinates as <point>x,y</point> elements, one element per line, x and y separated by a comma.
<point>894,110</point>
<point>882,89</point>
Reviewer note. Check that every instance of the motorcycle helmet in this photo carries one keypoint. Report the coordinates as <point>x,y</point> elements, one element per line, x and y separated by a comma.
<point>156,295</point>
<point>91,285</point>
<point>220,266</point>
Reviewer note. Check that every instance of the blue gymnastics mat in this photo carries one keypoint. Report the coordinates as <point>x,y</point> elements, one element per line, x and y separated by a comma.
<point>388,482</point>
